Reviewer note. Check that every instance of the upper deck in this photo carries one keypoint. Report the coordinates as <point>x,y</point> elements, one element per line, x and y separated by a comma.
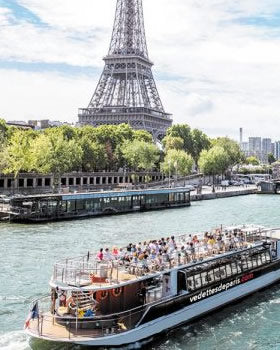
<point>125,266</point>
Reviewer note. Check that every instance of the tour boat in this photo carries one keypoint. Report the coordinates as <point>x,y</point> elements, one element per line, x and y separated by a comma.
<point>123,296</point>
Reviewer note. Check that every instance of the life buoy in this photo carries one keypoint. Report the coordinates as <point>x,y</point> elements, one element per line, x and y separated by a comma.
<point>103,294</point>
<point>117,292</point>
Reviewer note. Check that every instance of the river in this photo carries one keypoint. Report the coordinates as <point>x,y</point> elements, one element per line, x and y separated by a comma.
<point>28,253</point>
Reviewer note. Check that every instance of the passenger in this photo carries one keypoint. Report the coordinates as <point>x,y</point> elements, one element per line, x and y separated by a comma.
<point>172,244</point>
<point>100,254</point>
<point>153,255</point>
<point>62,299</point>
<point>144,263</point>
<point>107,255</point>
<point>134,258</point>
<point>115,252</point>
<point>192,251</point>
<point>54,296</point>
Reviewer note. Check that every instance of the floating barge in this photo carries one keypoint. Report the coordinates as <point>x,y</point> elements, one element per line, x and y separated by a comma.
<point>55,207</point>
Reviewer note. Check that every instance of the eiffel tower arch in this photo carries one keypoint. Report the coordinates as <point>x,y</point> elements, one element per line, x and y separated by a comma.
<point>127,92</point>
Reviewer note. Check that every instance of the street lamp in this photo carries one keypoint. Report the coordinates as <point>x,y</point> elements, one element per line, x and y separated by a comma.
<point>176,173</point>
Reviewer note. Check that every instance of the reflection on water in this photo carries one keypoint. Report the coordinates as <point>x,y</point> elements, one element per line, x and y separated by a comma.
<point>29,252</point>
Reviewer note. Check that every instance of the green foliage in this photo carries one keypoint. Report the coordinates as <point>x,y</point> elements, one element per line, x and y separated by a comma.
<point>173,142</point>
<point>177,162</point>
<point>200,142</point>
<point>3,132</point>
<point>184,132</point>
<point>194,141</point>
<point>271,159</point>
<point>232,149</point>
<point>142,135</point>
<point>108,147</point>
<point>140,155</point>
<point>17,155</point>
<point>252,161</point>
<point>54,154</point>
<point>215,161</point>
<point>93,155</point>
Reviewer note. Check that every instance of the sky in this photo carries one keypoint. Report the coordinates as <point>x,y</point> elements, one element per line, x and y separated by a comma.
<point>217,62</point>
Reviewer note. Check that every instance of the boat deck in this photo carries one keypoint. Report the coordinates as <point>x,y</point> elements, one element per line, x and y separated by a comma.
<point>48,327</point>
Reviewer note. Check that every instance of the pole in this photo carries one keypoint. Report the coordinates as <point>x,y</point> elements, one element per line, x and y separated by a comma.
<point>169,173</point>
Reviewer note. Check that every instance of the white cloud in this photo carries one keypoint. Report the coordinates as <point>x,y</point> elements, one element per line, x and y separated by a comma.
<point>34,95</point>
<point>213,72</point>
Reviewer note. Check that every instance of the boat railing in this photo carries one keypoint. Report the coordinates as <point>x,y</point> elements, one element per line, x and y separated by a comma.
<point>49,324</point>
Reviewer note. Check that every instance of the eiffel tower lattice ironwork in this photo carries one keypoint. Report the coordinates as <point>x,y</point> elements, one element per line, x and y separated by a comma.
<point>126,92</point>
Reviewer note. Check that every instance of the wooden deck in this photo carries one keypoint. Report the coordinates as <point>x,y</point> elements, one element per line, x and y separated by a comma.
<point>51,329</point>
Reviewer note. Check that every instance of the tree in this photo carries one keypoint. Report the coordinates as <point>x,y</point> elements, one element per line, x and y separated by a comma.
<point>271,159</point>
<point>173,142</point>
<point>232,148</point>
<point>200,142</point>
<point>214,162</point>
<point>3,133</point>
<point>140,155</point>
<point>53,154</point>
<point>177,162</point>
<point>17,156</point>
<point>194,141</point>
<point>184,132</point>
<point>142,135</point>
<point>93,155</point>
<point>252,161</point>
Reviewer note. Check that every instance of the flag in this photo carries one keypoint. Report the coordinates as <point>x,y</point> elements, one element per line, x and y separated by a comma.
<point>34,313</point>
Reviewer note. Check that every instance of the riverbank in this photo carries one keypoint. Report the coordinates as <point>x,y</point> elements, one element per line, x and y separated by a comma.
<point>207,193</point>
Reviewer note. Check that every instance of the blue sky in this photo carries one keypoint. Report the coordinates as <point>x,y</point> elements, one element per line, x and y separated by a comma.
<point>217,62</point>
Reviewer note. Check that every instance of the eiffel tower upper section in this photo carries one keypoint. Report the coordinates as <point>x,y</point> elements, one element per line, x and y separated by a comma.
<point>126,92</point>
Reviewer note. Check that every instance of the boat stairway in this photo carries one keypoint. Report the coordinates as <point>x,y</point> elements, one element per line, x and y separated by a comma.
<point>84,300</point>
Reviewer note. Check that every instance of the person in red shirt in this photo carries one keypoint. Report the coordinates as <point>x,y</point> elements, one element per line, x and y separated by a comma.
<point>100,254</point>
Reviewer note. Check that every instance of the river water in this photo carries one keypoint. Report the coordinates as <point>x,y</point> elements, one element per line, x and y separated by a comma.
<point>27,255</point>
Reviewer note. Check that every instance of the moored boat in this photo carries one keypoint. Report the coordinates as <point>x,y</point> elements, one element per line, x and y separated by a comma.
<point>54,207</point>
<point>121,296</point>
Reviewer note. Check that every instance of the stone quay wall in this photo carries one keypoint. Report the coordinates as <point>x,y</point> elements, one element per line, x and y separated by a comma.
<point>36,183</point>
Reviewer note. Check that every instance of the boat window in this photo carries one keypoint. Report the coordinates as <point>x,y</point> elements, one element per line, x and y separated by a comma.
<point>254,261</point>
<point>190,283</point>
<point>217,274</point>
<point>267,255</point>
<point>204,278</point>
<point>234,268</point>
<point>80,204</point>
<point>223,272</point>
<point>249,262</point>
<point>64,206</point>
<point>71,206</point>
<point>210,276</point>
<point>239,266</point>
<point>197,279</point>
<point>263,258</point>
<point>244,263</point>
<point>228,270</point>
<point>260,260</point>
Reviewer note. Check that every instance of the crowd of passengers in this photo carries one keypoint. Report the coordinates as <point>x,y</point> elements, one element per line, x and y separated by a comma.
<point>171,250</point>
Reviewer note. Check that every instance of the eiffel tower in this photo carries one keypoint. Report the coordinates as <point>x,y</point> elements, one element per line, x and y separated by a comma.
<point>126,92</point>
